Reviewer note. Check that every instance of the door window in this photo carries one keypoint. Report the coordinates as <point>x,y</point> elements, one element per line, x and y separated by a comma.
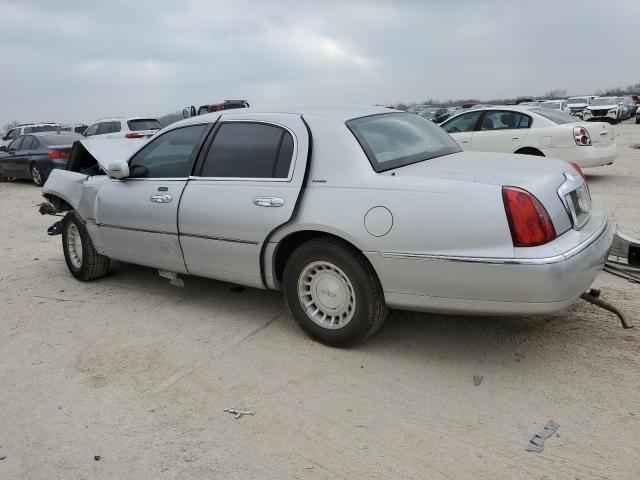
<point>504,120</point>
<point>115,127</point>
<point>249,150</point>
<point>16,144</point>
<point>27,143</point>
<point>92,130</point>
<point>463,123</point>
<point>168,156</point>
<point>104,127</point>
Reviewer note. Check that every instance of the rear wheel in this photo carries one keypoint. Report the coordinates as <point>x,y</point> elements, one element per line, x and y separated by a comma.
<point>83,261</point>
<point>333,292</point>
<point>36,175</point>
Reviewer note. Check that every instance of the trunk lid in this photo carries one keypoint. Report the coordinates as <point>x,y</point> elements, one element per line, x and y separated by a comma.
<point>541,176</point>
<point>600,133</point>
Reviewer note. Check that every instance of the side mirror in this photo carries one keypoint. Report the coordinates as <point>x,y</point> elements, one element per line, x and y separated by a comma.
<point>118,169</point>
<point>12,150</point>
<point>3,148</point>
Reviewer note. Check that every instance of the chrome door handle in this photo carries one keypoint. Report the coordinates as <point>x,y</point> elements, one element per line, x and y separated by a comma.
<point>268,201</point>
<point>515,138</point>
<point>466,141</point>
<point>160,198</point>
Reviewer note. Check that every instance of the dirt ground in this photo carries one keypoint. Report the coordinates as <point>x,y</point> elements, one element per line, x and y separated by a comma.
<point>138,373</point>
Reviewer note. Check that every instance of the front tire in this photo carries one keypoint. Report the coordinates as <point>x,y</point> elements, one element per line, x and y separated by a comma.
<point>83,261</point>
<point>333,292</point>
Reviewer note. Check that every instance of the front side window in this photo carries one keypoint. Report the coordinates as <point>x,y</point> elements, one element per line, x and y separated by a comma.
<point>92,130</point>
<point>249,150</point>
<point>104,127</point>
<point>16,144</point>
<point>168,156</point>
<point>115,127</point>
<point>12,134</point>
<point>392,140</point>
<point>27,143</point>
<point>462,123</point>
<point>502,120</point>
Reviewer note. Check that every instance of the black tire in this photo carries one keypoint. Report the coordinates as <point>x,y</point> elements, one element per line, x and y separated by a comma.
<point>370,309</point>
<point>92,265</point>
<point>36,175</point>
<point>530,151</point>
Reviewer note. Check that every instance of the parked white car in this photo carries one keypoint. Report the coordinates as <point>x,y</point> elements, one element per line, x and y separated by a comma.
<point>556,105</point>
<point>578,104</point>
<point>133,127</point>
<point>533,131</point>
<point>604,108</point>
<point>25,129</point>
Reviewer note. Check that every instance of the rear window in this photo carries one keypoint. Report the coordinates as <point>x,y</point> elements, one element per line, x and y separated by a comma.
<point>556,116</point>
<point>57,140</point>
<point>144,124</point>
<point>392,140</point>
<point>41,128</point>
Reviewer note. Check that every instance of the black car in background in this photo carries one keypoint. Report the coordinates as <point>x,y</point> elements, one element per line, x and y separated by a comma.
<point>34,156</point>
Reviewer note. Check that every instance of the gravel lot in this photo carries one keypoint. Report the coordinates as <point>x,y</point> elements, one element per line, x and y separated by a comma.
<point>138,372</point>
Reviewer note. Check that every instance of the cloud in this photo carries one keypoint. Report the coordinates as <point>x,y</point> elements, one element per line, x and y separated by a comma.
<point>76,63</point>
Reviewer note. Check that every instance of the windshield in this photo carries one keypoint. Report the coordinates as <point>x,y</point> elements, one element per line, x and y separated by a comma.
<point>392,140</point>
<point>550,104</point>
<point>556,116</point>
<point>605,101</point>
<point>428,112</point>
<point>572,101</point>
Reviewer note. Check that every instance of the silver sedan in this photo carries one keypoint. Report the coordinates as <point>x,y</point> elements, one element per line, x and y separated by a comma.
<point>347,210</point>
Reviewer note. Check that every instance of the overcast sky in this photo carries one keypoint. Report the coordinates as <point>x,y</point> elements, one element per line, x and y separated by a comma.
<point>72,61</point>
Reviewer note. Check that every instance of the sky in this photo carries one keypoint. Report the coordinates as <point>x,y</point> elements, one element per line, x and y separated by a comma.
<point>73,62</point>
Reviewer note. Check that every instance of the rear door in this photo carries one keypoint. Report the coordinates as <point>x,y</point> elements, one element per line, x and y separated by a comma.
<point>246,184</point>
<point>501,131</point>
<point>23,156</point>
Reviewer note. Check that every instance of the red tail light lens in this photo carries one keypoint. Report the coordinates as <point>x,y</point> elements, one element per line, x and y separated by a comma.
<point>57,154</point>
<point>134,135</point>
<point>579,170</point>
<point>529,221</point>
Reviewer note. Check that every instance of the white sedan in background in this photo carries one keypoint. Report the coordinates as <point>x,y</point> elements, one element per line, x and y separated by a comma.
<point>561,105</point>
<point>533,131</point>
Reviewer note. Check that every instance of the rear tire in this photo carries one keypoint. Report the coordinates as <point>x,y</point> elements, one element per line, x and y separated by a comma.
<point>83,261</point>
<point>36,175</point>
<point>333,292</point>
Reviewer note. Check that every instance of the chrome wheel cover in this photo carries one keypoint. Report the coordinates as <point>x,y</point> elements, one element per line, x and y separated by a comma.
<point>36,175</point>
<point>74,245</point>
<point>326,295</point>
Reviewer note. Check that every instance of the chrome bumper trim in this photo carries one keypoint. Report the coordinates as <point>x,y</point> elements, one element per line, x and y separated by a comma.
<point>506,261</point>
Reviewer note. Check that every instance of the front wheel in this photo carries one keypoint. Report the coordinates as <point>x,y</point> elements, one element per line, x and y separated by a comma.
<point>83,261</point>
<point>334,293</point>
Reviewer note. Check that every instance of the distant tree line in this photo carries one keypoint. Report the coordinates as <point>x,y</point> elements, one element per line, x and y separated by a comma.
<point>551,94</point>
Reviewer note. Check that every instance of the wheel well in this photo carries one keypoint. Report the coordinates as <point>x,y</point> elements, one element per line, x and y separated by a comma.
<point>58,203</point>
<point>530,151</point>
<point>291,242</point>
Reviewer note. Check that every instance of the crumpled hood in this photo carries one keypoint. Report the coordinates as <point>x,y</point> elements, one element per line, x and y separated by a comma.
<point>106,150</point>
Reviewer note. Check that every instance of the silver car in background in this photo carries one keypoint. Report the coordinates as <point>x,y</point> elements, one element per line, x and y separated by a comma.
<point>348,210</point>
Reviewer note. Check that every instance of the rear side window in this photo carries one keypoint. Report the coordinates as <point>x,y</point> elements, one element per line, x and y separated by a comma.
<point>249,150</point>
<point>27,143</point>
<point>504,120</point>
<point>392,140</point>
<point>115,127</point>
<point>556,116</point>
<point>144,124</point>
<point>41,128</point>
<point>168,156</point>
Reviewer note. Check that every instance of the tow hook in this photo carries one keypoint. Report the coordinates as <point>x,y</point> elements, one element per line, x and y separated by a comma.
<point>593,297</point>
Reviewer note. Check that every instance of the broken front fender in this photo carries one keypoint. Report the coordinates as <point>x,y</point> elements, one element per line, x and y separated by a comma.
<point>63,190</point>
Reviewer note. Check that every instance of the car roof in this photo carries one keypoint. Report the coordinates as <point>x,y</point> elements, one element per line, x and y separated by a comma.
<point>126,119</point>
<point>341,113</point>
<point>51,133</point>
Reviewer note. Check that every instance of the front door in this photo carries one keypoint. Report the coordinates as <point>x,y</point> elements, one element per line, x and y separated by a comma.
<point>136,218</point>
<point>461,128</point>
<point>246,185</point>
<point>501,131</point>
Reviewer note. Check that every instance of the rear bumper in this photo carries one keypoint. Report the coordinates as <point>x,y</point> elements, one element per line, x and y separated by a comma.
<point>489,286</point>
<point>585,157</point>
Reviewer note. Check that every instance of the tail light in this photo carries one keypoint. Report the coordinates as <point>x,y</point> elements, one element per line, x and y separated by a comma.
<point>581,136</point>
<point>134,135</point>
<point>529,221</point>
<point>579,170</point>
<point>57,154</point>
